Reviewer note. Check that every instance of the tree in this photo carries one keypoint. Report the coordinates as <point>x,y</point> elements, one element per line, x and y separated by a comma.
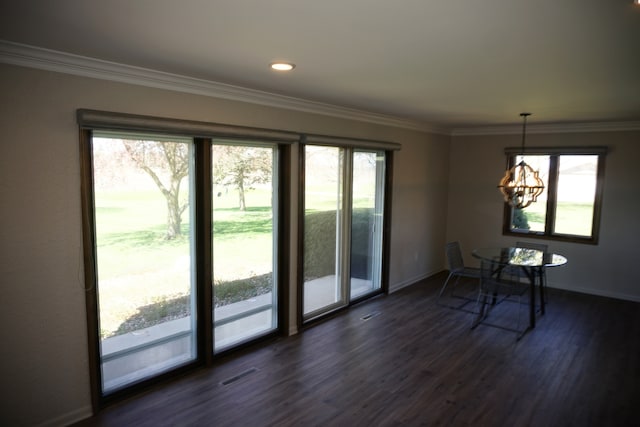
<point>520,220</point>
<point>241,167</point>
<point>168,161</point>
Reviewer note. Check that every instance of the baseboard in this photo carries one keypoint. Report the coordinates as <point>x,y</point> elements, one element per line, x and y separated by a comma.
<point>411,281</point>
<point>69,418</point>
<point>579,289</point>
<point>597,292</point>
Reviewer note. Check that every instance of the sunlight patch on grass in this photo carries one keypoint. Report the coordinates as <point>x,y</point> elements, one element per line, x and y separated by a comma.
<point>139,269</point>
<point>571,218</point>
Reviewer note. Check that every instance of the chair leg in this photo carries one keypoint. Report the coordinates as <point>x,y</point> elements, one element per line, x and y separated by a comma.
<point>444,286</point>
<point>481,310</point>
<point>465,300</point>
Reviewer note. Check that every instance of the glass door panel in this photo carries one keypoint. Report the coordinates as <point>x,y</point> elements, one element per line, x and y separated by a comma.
<point>144,255</point>
<point>244,242</point>
<point>323,230</point>
<point>366,222</point>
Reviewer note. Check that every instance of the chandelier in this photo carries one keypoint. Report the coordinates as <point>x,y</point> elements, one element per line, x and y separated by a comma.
<point>521,185</point>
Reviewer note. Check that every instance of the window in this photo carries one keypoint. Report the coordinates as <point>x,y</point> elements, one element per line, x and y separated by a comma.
<point>183,243</point>
<point>245,253</point>
<point>144,246</point>
<point>569,207</point>
<point>146,249</point>
<point>185,238</point>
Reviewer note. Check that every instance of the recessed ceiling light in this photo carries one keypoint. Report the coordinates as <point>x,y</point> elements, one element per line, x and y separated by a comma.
<point>283,66</point>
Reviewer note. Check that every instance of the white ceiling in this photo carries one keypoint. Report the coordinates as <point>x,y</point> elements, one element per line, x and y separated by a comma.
<point>452,64</point>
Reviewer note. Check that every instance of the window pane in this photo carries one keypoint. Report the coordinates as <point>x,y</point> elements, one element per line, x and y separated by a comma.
<point>322,228</point>
<point>244,243</point>
<point>366,222</point>
<point>532,218</point>
<point>142,190</point>
<point>577,179</point>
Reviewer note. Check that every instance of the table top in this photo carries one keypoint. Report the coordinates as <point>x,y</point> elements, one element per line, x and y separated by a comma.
<point>523,257</point>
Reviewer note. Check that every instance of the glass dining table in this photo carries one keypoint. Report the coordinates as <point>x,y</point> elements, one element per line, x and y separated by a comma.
<point>531,262</point>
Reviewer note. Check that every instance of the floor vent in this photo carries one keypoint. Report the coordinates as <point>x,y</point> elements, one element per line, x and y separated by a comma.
<point>239,376</point>
<point>370,315</point>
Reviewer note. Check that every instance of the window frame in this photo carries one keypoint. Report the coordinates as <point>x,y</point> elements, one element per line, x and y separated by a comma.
<point>202,134</point>
<point>554,154</point>
<point>351,144</point>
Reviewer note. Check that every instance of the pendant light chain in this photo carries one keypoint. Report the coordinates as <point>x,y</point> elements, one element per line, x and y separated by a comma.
<point>514,184</point>
<point>524,130</point>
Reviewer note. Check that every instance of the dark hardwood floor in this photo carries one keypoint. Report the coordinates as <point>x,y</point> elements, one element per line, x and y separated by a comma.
<point>415,363</point>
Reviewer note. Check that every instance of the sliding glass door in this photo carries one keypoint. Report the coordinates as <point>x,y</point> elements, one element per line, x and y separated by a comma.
<point>366,222</point>
<point>245,192</point>
<point>343,217</point>
<point>324,230</point>
<point>185,228</point>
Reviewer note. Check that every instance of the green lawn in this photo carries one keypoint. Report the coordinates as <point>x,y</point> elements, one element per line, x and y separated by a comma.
<point>571,218</point>
<point>138,269</point>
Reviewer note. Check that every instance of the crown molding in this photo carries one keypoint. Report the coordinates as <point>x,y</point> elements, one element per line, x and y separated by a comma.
<point>62,62</point>
<point>616,126</point>
<point>67,63</point>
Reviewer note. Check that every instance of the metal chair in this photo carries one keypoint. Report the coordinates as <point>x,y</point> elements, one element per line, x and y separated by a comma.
<point>541,272</point>
<point>457,269</point>
<point>498,285</point>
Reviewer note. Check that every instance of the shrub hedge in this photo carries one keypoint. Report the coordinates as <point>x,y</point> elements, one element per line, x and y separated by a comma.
<point>320,241</point>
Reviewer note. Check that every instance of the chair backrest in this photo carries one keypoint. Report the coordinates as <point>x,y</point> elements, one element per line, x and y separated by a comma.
<point>530,245</point>
<point>454,257</point>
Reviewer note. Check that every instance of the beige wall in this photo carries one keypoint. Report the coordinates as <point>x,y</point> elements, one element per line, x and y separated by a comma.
<point>444,189</point>
<point>475,209</point>
<point>44,362</point>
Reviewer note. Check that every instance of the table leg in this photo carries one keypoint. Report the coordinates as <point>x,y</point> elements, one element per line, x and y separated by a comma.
<point>543,297</point>
<point>531,274</point>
